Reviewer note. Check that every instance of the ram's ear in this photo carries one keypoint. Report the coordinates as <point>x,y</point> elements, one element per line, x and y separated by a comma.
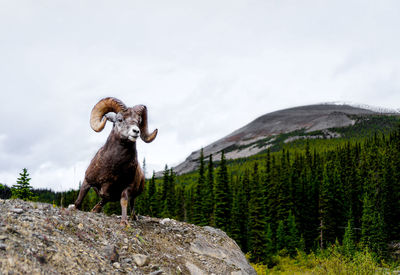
<point>110,117</point>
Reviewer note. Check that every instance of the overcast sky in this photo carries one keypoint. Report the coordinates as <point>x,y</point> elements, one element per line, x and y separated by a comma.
<point>203,68</point>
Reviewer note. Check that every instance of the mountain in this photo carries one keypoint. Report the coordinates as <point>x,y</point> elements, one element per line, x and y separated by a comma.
<point>311,121</point>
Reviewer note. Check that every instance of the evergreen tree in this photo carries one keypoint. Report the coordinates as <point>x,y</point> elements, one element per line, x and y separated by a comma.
<point>152,197</point>
<point>280,236</point>
<point>141,203</point>
<point>391,193</point>
<point>296,186</point>
<point>355,192</point>
<point>5,192</point>
<point>180,203</point>
<point>283,199</point>
<point>265,186</point>
<point>313,175</point>
<point>22,189</point>
<point>169,202</point>
<point>199,216</point>
<point>236,215</point>
<point>246,192</point>
<point>302,244</point>
<point>292,236</point>
<point>272,186</point>
<point>188,194</point>
<point>329,205</point>
<point>305,189</point>
<point>222,197</point>
<point>257,241</point>
<point>164,187</point>
<point>239,220</point>
<point>269,245</point>
<point>208,197</point>
<point>372,230</point>
<point>349,246</point>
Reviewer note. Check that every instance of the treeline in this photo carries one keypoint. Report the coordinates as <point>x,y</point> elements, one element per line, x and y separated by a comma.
<point>289,201</point>
<point>62,199</point>
<point>5,191</point>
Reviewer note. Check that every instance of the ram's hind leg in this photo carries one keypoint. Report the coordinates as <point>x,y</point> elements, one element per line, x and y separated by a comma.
<point>97,208</point>
<point>132,207</point>
<point>82,193</point>
<point>136,193</point>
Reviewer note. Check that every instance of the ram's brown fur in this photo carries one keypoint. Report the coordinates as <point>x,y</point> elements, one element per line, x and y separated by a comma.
<point>114,172</point>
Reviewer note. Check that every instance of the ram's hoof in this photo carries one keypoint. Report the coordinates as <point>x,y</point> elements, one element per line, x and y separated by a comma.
<point>124,223</point>
<point>96,210</point>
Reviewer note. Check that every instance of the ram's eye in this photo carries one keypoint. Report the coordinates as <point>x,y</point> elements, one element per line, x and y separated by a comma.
<point>119,119</point>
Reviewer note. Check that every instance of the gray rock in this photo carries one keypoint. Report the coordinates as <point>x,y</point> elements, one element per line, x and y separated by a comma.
<point>166,220</point>
<point>127,260</point>
<point>229,252</point>
<point>140,260</point>
<point>3,246</point>
<point>111,253</point>
<point>17,210</point>
<point>194,270</point>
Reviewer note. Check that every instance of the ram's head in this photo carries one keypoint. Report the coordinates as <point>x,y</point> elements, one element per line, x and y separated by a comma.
<point>129,122</point>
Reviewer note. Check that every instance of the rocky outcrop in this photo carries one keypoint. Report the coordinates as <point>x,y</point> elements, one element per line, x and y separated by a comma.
<point>38,238</point>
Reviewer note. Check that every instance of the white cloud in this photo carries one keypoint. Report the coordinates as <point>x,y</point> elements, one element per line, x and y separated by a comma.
<point>203,69</point>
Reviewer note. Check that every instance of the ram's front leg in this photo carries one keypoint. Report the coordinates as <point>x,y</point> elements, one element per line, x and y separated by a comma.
<point>124,207</point>
<point>82,193</point>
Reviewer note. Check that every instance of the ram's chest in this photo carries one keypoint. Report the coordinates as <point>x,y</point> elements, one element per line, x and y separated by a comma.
<point>122,174</point>
<point>112,185</point>
<point>120,164</point>
<point>110,173</point>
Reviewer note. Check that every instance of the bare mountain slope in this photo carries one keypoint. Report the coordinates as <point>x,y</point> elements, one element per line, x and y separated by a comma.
<point>259,134</point>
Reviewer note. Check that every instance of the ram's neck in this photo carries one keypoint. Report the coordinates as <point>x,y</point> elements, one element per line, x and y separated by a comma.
<point>120,149</point>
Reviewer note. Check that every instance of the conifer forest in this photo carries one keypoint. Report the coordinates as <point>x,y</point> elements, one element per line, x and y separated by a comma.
<point>287,201</point>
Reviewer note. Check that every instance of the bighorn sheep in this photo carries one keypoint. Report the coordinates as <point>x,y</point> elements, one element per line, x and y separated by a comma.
<point>114,172</point>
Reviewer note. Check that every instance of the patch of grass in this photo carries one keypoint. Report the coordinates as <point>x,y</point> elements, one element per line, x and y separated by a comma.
<point>330,261</point>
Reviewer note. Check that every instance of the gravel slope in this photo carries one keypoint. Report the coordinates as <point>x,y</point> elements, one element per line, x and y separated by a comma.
<point>37,238</point>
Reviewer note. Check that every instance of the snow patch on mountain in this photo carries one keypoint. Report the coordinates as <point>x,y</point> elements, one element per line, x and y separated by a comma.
<point>376,109</point>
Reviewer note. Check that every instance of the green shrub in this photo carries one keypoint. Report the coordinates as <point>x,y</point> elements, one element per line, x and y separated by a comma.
<point>329,261</point>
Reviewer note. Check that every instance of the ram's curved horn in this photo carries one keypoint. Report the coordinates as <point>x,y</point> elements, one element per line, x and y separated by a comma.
<point>144,131</point>
<point>104,106</point>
